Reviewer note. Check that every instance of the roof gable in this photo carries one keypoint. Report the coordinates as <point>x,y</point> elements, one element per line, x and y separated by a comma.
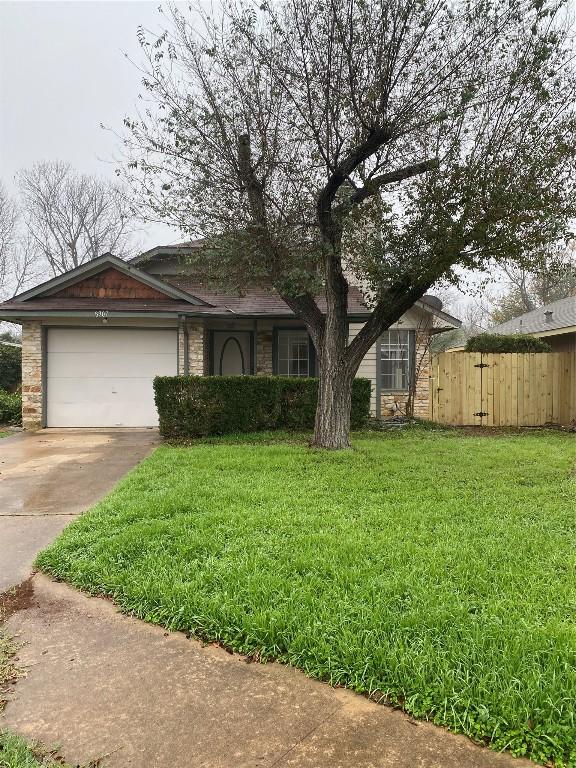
<point>108,277</point>
<point>109,284</point>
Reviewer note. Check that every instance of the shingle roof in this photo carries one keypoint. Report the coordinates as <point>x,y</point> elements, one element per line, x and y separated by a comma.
<point>254,301</point>
<point>187,294</point>
<point>537,321</point>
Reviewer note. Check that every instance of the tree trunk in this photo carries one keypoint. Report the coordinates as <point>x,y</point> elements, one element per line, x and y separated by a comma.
<point>332,427</point>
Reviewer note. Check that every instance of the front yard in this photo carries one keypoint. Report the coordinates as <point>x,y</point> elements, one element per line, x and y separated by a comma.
<point>432,570</point>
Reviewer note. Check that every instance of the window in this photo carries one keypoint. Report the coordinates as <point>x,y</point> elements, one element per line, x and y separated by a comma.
<point>293,353</point>
<point>396,360</point>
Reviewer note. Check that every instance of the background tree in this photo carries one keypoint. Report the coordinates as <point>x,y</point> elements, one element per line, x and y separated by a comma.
<point>8,221</point>
<point>18,261</point>
<point>550,277</point>
<point>73,217</point>
<point>388,140</point>
<point>474,311</point>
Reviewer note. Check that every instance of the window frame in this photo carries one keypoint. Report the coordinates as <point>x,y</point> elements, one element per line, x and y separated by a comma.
<point>277,329</point>
<point>411,361</point>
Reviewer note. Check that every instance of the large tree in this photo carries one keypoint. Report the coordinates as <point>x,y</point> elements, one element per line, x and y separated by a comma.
<point>72,217</point>
<point>380,141</point>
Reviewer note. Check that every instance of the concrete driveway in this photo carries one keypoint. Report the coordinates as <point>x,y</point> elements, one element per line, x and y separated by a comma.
<point>47,478</point>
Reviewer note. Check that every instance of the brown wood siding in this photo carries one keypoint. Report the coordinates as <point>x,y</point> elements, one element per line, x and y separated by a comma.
<point>110,284</point>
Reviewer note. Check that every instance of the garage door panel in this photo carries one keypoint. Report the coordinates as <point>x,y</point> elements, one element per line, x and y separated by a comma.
<point>103,377</point>
<point>112,365</point>
<point>84,340</point>
<point>124,402</point>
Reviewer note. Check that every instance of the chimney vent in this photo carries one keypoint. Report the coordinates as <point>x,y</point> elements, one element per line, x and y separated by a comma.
<point>548,315</point>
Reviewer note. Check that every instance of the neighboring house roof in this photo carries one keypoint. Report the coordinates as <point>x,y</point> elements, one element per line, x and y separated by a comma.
<point>560,316</point>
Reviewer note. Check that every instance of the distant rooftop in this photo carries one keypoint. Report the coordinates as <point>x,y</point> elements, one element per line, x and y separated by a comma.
<point>552,317</point>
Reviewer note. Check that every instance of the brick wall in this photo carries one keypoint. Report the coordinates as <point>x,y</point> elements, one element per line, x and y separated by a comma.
<point>31,374</point>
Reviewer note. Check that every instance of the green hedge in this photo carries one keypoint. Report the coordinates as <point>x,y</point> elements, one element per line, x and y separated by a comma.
<point>10,367</point>
<point>10,408</point>
<point>194,406</point>
<point>517,342</point>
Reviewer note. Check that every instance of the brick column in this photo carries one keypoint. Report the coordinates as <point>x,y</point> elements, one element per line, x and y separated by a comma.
<point>264,352</point>
<point>32,374</point>
<point>195,349</point>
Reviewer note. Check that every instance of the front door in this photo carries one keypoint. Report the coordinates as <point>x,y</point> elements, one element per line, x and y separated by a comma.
<point>232,353</point>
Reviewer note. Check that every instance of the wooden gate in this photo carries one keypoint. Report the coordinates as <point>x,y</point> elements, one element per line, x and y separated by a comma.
<point>502,390</point>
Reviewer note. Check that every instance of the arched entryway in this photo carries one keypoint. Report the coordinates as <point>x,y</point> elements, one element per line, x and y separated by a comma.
<point>231,358</point>
<point>231,353</point>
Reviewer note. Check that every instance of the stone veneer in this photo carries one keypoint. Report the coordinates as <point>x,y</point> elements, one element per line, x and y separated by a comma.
<point>264,353</point>
<point>32,374</point>
<point>393,403</point>
<point>196,349</point>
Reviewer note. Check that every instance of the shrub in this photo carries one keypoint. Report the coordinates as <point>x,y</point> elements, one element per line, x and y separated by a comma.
<point>10,408</point>
<point>10,367</point>
<point>517,342</point>
<point>195,406</point>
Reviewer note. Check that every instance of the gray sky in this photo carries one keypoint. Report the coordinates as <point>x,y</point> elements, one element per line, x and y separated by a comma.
<point>62,73</point>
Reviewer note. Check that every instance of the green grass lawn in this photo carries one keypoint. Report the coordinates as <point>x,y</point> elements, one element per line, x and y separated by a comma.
<point>17,753</point>
<point>433,569</point>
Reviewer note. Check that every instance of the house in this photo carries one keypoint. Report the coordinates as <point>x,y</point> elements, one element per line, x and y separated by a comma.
<point>556,323</point>
<point>94,338</point>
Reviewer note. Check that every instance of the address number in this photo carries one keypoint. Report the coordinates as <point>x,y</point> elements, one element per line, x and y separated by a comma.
<point>101,313</point>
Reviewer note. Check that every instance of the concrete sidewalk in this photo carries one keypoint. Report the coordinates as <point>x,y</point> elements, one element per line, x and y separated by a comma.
<point>103,685</point>
<point>49,477</point>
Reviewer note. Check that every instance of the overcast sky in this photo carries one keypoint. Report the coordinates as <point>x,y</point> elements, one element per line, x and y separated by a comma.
<point>62,73</point>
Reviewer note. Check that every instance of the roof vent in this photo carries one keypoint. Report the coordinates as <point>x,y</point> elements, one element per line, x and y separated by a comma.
<point>548,315</point>
<point>432,301</point>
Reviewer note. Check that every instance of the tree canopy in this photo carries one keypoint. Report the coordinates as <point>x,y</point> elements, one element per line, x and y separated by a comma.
<point>316,143</point>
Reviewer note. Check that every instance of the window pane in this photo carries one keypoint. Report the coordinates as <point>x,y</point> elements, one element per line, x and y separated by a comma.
<point>293,353</point>
<point>395,353</point>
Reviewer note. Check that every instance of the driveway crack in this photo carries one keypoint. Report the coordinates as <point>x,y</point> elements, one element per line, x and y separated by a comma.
<point>306,735</point>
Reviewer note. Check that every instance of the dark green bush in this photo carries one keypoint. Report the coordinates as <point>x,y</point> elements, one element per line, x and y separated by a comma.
<point>10,367</point>
<point>516,342</point>
<point>195,406</point>
<point>10,408</point>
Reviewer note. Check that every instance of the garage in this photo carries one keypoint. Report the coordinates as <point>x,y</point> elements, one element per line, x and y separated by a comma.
<point>102,377</point>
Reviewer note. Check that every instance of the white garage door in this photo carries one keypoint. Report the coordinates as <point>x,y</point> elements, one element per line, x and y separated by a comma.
<point>102,377</point>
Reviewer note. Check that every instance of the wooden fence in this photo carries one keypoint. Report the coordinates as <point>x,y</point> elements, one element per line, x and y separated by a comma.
<point>503,390</point>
